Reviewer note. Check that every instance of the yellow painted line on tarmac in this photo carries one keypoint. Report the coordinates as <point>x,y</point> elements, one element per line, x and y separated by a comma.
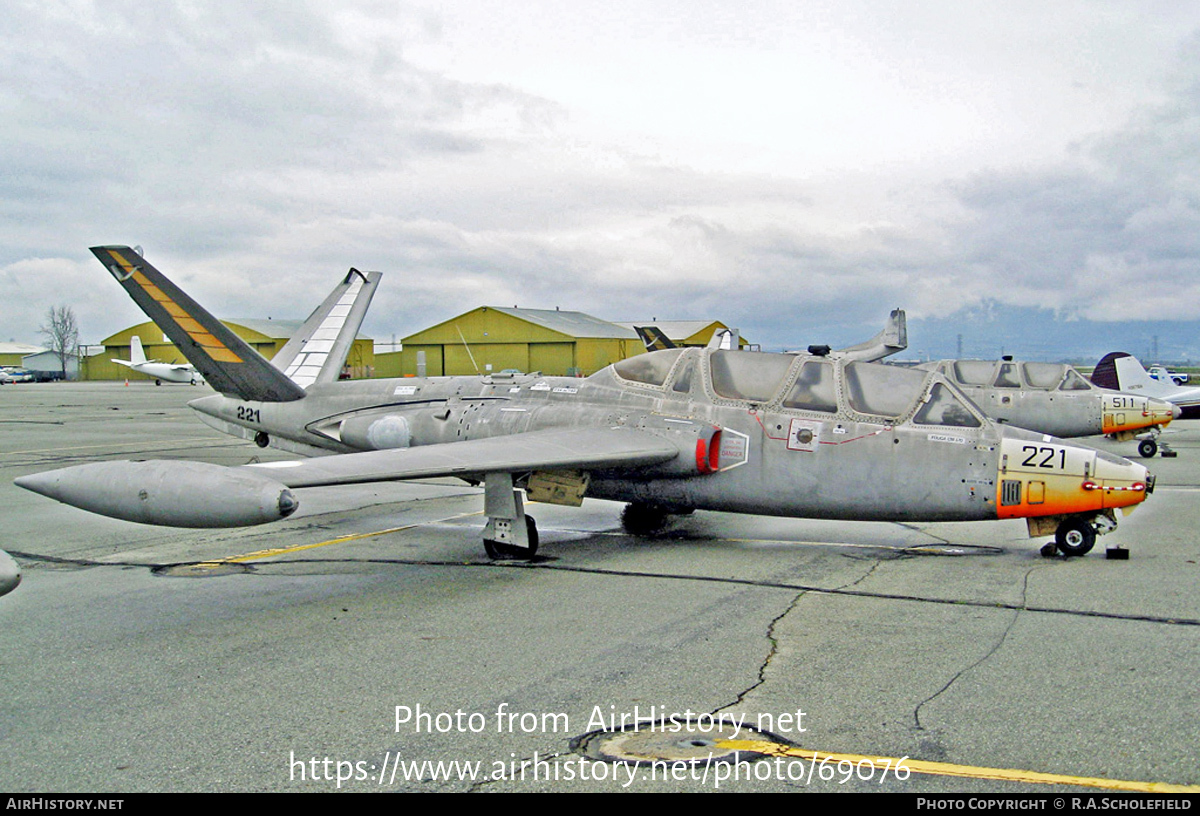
<point>274,551</point>
<point>892,764</point>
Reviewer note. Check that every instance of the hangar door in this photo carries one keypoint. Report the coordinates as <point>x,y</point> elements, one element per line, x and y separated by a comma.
<point>554,359</point>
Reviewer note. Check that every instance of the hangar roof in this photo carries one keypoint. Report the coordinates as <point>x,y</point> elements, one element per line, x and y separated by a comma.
<point>559,323</point>
<point>575,324</point>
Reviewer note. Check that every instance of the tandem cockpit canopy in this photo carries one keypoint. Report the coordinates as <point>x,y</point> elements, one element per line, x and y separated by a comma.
<point>1015,375</point>
<point>804,384</point>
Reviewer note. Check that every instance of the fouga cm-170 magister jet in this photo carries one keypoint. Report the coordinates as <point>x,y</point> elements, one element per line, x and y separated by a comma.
<point>800,435</point>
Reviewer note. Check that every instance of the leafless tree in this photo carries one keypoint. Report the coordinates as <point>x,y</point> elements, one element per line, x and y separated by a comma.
<point>62,333</point>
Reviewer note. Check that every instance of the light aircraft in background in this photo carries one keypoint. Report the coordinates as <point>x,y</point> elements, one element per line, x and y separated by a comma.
<point>1055,399</point>
<point>1123,371</point>
<point>671,431</point>
<point>171,372</point>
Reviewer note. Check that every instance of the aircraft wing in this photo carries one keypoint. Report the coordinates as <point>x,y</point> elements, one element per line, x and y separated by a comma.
<point>198,494</point>
<point>558,449</point>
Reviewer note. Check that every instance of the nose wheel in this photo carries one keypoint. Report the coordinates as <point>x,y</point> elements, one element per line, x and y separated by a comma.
<point>1149,445</point>
<point>1074,537</point>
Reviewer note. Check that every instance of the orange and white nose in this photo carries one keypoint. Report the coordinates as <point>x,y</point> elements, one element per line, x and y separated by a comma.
<point>1119,482</point>
<point>1122,412</point>
<point>1050,478</point>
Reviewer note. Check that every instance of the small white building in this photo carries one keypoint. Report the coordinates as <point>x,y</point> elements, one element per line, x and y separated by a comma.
<point>45,365</point>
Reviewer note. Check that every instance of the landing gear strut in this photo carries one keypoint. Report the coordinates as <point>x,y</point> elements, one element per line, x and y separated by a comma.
<point>1150,445</point>
<point>1076,535</point>
<point>509,534</point>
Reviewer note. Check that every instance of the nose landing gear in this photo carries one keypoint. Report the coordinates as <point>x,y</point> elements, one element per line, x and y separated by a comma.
<point>1150,445</point>
<point>1076,535</point>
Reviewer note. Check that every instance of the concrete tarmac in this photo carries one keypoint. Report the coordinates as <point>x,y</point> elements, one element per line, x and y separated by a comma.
<point>368,644</point>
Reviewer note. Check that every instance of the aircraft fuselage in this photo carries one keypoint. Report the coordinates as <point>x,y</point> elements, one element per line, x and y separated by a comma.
<point>1053,398</point>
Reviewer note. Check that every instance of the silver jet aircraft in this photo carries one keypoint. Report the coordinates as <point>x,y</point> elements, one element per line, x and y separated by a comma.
<point>670,431</point>
<point>1055,399</point>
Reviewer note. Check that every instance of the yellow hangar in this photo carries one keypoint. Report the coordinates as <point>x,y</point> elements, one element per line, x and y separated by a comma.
<point>494,338</point>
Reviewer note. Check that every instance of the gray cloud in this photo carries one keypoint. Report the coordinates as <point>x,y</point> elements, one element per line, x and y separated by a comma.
<point>257,151</point>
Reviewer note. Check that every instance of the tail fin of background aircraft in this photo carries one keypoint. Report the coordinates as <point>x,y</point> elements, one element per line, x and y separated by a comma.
<point>893,339</point>
<point>654,338</point>
<point>1118,370</point>
<point>137,354</point>
<point>725,339</point>
<point>226,361</point>
<point>317,352</point>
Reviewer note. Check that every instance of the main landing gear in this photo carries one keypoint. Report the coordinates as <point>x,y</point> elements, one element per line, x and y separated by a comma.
<point>509,534</point>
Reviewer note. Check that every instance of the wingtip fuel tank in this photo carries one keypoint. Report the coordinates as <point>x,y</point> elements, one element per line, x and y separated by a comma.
<point>167,492</point>
<point>10,573</point>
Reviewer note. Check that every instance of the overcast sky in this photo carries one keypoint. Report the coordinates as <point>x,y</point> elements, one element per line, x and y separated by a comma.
<point>793,168</point>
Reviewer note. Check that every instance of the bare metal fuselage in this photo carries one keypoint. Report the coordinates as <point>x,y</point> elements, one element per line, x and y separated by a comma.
<point>1053,398</point>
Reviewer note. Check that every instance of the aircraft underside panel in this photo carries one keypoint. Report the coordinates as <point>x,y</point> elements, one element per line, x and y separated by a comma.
<point>837,470</point>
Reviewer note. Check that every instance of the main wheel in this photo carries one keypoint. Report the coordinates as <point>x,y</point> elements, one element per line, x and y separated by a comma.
<point>1147,448</point>
<point>499,551</point>
<point>1075,537</point>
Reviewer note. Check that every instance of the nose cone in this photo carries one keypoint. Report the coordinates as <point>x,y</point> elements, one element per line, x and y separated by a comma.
<point>1161,412</point>
<point>1119,482</point>
<point>1123,413</point>
<point>1046,476</point>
